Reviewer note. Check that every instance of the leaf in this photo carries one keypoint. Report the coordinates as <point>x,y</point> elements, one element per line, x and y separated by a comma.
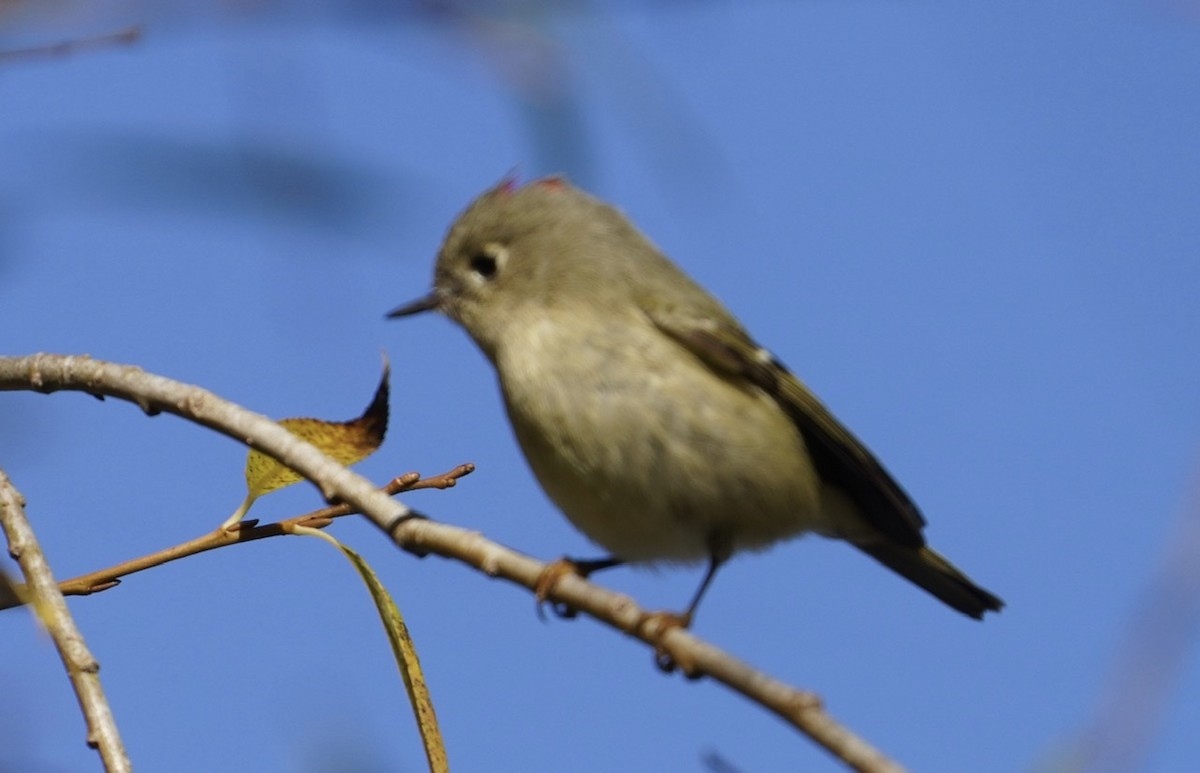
<point>346,442</point>
<point>403,651</point>
<point>11,594</point>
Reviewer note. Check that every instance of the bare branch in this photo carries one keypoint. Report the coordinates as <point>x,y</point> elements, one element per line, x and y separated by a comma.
<point>696,657</point>
<point>51,608</point>
<point>122,37</point>
<point>155,394</point>
<point>247,531</point>
<point>445,480</point>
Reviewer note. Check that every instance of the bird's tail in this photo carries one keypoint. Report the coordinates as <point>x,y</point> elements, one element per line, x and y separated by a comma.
<point>935,574</point>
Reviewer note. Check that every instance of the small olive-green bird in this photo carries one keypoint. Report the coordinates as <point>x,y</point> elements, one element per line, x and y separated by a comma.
<point>648,414</point>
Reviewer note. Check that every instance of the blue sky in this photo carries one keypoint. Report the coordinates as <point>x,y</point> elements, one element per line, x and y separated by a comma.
<point>971,228</point>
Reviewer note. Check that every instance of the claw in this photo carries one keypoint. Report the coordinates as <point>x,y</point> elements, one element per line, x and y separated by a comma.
<point>544,586</point>
<point>663,622</point>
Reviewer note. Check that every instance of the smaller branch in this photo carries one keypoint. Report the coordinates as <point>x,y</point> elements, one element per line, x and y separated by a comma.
<point>247,531</point>
<point>51,608</point>
<point>123,37</point>
<point>444,481</point>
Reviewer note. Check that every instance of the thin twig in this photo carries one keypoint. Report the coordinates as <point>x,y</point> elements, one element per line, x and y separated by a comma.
<point>122,37</point>
<point>445,480</point>
<point>125,36</point>
<point>51,608</point>
<point>47,373</point>
<point>248,531</point>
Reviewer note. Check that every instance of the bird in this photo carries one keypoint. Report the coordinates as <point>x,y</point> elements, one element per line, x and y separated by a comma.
<point>648,414</point>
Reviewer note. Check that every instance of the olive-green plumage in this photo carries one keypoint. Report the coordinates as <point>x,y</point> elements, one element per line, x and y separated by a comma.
<point>647,413</point>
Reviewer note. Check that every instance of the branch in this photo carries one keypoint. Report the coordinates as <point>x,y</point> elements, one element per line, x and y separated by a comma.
<point>50,606</point>
<point>247,531</point>
<point>155,394</point>
<point>697,657</point>
<point>122,37</point>
<point>48,373</point>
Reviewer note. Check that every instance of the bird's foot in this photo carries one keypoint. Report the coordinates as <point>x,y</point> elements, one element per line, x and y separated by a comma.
<point>657,625</point>
<point>554,571</point>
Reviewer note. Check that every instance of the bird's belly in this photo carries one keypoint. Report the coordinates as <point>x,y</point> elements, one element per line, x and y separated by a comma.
<point>664,464</point>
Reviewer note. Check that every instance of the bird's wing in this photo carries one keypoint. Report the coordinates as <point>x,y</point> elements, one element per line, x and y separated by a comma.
<point>840,459</point>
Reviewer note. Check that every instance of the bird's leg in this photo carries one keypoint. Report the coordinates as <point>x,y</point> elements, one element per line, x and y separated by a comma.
<point>555,570</point>
<point>714,563</point>
<point>665,621</point>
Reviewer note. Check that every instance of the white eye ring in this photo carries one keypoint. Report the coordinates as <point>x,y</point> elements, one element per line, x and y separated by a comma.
<point>487,262</point>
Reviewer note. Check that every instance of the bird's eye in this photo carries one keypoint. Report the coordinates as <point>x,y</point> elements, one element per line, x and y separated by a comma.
<point>484,264</point>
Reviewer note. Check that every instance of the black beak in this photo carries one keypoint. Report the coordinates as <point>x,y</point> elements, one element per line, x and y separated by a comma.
<point>430,302</point>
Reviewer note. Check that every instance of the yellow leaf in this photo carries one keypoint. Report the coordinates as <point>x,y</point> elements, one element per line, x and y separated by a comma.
<point>11,594</point>
<point>403,651</point>
<point>346,442</point>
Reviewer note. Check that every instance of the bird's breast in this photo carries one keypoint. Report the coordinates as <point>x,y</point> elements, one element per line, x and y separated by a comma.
<point>644,448</point>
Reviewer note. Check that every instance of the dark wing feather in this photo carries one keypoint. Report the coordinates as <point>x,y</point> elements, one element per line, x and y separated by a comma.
<point>841,460</point>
